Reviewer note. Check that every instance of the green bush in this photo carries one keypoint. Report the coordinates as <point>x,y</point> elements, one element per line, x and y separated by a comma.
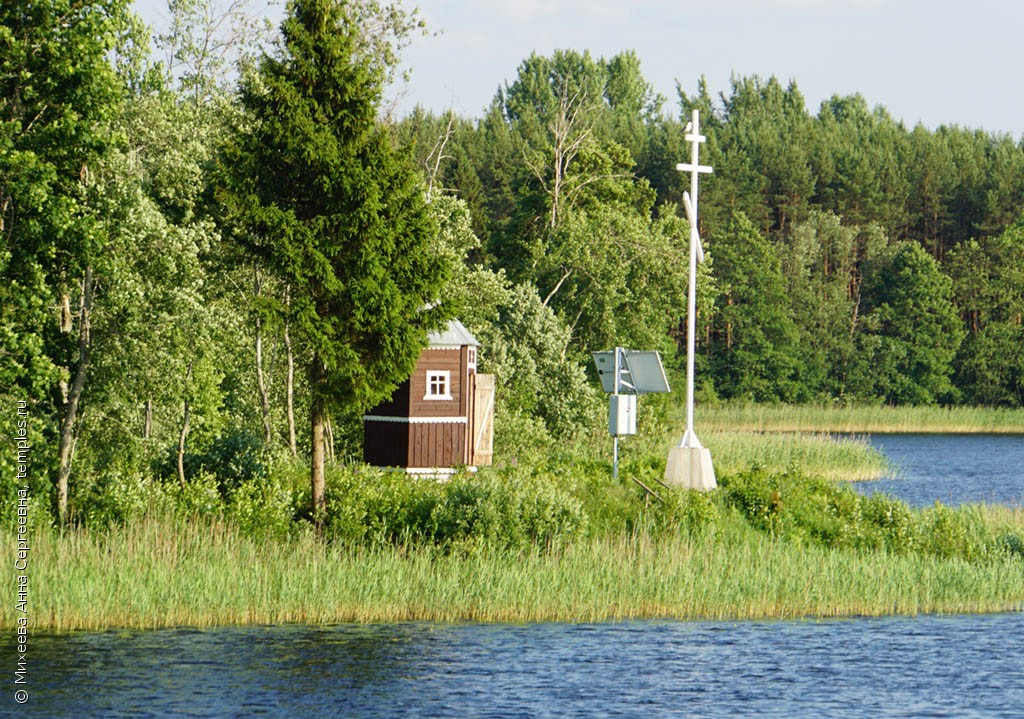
<point>952,533</point>
<point>1011,544</point>
<point>119,497</point>
<point>366,504</point>
<point>262,507</point>
<point>509,509</point>
<point>199,497</point>
<point>685,510</point>
<point>831,514</point>
<point>757,494</point>
<point>233,458</point>
<point>892,524</point>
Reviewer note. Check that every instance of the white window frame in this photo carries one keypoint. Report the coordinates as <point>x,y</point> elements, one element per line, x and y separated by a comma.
<point>439,385</point>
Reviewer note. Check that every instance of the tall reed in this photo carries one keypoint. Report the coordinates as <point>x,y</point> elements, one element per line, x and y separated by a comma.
<point>861,419</point>
<point>166,572</point>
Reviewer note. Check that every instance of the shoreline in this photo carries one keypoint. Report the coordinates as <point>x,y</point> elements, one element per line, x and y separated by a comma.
<point>736,576</point>
<point>773,543</point>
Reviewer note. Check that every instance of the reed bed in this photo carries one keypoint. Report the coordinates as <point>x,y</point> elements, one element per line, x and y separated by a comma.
<point>849,458</point>
<point>861,419</point>
<point>166,572</point>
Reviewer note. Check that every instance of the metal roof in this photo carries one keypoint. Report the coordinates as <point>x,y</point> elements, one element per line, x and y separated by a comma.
<point>454,335</point>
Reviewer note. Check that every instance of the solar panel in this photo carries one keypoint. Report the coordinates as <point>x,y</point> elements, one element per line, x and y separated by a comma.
<point>640,371</point>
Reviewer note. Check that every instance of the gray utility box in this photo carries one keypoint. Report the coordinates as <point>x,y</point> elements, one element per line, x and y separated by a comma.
<point>622,414</point>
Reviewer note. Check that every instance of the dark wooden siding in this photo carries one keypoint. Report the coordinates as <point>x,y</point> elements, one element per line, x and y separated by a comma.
<point>397,406</point>
<point>386,444</point>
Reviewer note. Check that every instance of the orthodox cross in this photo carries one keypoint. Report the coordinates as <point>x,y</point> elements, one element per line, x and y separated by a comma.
<point>695,169</point>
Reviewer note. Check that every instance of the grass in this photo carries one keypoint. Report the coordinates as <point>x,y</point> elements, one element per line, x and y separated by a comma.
<point>820,455</point>
<point>168,572</point>
<point>860,420</point>
<point>740,437</point>
<point>555,540</point>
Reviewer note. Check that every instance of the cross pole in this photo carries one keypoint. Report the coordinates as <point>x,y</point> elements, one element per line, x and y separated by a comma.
<point>696,254</point>
<point>689,463</point>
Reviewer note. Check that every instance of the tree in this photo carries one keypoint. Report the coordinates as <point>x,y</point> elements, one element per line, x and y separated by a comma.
<point>58,94</point>
<point>754,339</point>
<point>316,191</point>
<point>988,283</point>
<point>823,263</point>
<point>205,41</point>
<point>915,328</point>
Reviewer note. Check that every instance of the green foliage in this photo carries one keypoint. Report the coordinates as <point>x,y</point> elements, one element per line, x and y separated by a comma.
<point>514,510</point>
<point>755,353</point>
<point>316,192</point>
<point>234,459</point>
<point>688,511</point>
<point>539,376</point>
<point>917,329</point>
<point>793,507</point>
<point>511,508</point>
<point>850,259</point>
<point>263,507</point>
<point>59,96</point>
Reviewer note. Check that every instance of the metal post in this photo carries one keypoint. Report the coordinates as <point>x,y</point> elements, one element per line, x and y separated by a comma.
<point>695,169</point>
<point>615,457</point>
<point>689,463</point>
<point>615,437</point>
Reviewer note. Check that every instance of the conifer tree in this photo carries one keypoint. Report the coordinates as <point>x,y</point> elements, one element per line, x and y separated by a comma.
<point>319,195</point>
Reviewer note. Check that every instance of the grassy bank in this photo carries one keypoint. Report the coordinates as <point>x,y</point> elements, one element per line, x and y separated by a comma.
<point>739,438</point>
<point>816,454</point>
<point>861,420</point>
<point>156,574</point>
<point>552,539</point>
<point>762,546</point>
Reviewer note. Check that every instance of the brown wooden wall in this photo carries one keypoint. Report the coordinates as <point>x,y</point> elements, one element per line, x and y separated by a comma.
<point>429,437</point>
<point>433,359</point>
<point>437,444</point>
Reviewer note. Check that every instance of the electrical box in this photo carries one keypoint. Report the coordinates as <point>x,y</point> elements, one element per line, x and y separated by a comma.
<point>621,414</point>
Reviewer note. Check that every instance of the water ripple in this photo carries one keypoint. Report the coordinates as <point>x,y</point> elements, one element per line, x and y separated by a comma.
<point>898,667</point>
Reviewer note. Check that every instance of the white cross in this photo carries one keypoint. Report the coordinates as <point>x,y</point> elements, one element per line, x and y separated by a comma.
<point>695,169</point>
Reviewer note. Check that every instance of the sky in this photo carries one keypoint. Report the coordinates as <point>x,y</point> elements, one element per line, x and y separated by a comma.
<point>936,62</point>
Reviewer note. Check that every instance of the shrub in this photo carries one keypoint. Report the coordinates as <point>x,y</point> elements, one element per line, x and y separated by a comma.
<point>199,497</point>
<point>119,497</point>
<point>685,510</point>
<point>1011,544</point>
<point>262,507</point>
<point>757,495</point>
<point>945,533</point>
<point>370,504</point>
<point>509,509</point>
<point>891,522</point>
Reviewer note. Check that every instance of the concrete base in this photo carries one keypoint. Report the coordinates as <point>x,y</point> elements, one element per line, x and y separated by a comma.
<point>690,467</point>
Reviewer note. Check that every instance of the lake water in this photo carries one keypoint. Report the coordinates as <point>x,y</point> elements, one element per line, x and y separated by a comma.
<point>894,667</point>
<point>952,469</point>
<point>901,667</point>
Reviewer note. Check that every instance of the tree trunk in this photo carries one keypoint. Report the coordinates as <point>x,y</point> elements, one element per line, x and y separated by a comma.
<point>261,384</point>
<point>290,393</point>
<point>69,413</point>
<point>329,438</point>
<point>147,426</point>
<point>184,430</point>
<point>317,415</point>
